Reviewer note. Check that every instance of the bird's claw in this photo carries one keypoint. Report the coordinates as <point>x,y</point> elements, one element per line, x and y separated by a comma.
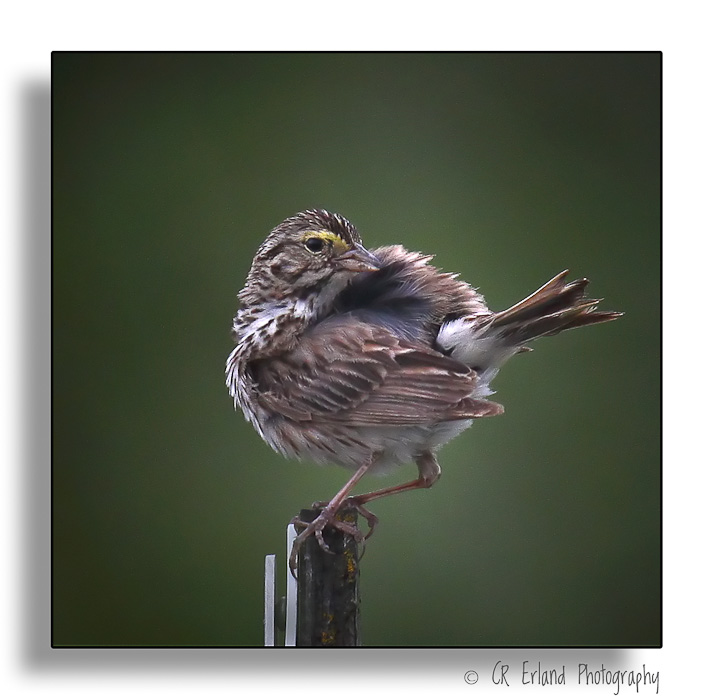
<point>323,520</point>
<point>356,504</point>
<point>368,515</point>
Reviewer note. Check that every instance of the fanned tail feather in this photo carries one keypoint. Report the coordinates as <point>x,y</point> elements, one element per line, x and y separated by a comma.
<point>486,341</point>
<point>557,306</point>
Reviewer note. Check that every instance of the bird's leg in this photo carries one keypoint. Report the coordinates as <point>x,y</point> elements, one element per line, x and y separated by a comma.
<point>429,473</point>
<point>327,517</point>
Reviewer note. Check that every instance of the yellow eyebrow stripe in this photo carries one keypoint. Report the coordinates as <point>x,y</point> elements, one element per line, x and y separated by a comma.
<point>337,243</point>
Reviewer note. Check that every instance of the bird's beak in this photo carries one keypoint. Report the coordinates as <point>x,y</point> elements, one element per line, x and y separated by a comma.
<point>359,259</point>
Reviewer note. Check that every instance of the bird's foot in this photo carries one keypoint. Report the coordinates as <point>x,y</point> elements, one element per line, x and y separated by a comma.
<point>355,503</point>
<point>368,515</point>
<point>328,518</point>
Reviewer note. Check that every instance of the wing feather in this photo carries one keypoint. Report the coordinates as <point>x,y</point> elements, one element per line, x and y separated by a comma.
<point>357,373</point>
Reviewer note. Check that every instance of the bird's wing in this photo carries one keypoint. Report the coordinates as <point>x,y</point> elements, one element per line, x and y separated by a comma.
<point>356,373</point>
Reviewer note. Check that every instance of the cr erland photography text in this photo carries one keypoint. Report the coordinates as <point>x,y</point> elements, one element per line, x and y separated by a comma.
<point>529,673</point>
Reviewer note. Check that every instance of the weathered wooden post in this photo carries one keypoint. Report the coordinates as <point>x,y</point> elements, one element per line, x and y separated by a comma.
<point>322,607</point>
<point>328,587</point>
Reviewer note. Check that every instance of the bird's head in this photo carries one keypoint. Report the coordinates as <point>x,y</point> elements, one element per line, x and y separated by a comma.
<point>312,255</point>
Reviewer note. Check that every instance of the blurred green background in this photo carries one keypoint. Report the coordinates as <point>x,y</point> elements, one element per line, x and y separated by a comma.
<point>169,170</point>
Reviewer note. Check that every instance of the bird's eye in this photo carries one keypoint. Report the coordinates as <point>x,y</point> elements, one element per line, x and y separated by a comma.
<point>314,244</point>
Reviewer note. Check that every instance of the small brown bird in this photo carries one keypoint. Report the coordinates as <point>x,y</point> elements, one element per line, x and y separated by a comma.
<point>373,359</point>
